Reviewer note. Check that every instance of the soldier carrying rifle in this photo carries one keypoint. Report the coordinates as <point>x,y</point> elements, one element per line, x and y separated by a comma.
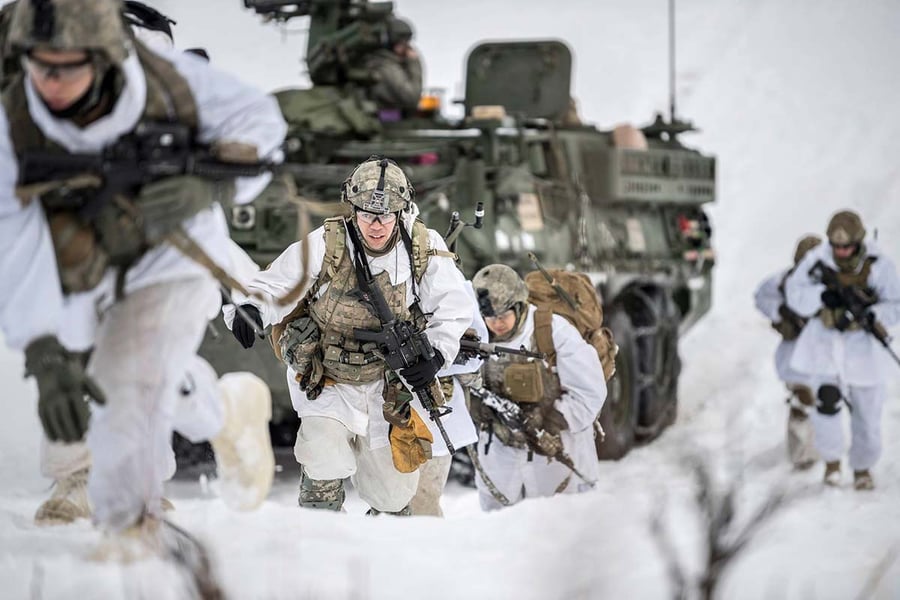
<point>385,308</point>
<point>850,292</point>
<point>536,421</point>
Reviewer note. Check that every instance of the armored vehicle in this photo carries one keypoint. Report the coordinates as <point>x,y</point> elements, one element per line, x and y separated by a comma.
<point>624,206</point>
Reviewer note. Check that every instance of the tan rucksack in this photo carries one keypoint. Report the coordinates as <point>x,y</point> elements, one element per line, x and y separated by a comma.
<point>587,318</point>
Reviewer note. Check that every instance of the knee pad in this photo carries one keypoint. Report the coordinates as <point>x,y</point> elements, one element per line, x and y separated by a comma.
<point>324,494</point>
<point>829,400</point>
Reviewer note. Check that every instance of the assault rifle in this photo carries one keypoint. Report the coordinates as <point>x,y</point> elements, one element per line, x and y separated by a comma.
<point>400,343</point>
<point>512,416</point>
<point>475,348</point>
<point>153,151</point>
<point>856,306</point>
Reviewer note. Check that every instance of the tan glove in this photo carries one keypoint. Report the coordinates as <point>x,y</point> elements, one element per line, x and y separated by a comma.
<point>410,443</point>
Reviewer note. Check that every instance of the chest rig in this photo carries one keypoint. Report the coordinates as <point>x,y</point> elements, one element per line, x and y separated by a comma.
<point>830,317</point>
<point>530,383</point>
<point>339,309</point>
<point>86,246</point>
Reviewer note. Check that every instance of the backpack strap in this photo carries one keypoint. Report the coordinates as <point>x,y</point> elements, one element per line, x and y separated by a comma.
<point>173,99</point>
<point>543,334</point>
<point>421,252</point>
<point>335,245</point>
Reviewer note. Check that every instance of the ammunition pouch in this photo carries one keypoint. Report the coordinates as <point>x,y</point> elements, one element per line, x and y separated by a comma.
<point>347,351</point>
<point>396,409</point>
<point>80,258</point>
<point>446,385</point>
<point>299,345</point>
<point>835,318</point>
<point>523,382</point>
<point>163,205</point>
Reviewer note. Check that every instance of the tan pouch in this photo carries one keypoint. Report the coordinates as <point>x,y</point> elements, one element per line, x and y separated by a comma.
<point>523,382</point>
<point>80,259</point>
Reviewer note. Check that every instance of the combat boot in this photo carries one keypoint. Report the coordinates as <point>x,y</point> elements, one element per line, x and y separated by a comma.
<point>322,494</point>
<point>244,458</point>
<point>833,473</point>
<point>862,480</point>
<point>403,512</point>
<point>68,502</point>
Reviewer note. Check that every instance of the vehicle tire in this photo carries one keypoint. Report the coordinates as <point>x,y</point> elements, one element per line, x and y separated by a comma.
<point>619,415</point>
<point>660,367</point>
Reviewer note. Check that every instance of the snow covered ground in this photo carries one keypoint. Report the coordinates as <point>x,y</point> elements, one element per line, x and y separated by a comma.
<point>797,100</point>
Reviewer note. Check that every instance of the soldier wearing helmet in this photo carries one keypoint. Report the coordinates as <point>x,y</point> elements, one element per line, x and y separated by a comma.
<point>85,85</point>
<point>770,301</point>
<point>562,402</point>
<point>396,70</point>
<point>850,292</point>
<point>356,416</point>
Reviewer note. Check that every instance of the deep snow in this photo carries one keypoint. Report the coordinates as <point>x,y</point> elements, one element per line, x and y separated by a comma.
<point>797,101</point>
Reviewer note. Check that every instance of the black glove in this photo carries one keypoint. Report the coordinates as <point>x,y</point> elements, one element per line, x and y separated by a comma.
<point>63,389</point>
<point>242,330</point>
<point>423,372</point>
<point>832,299</point>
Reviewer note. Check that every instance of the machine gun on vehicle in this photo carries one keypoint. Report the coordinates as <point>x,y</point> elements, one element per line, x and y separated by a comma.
<point>341,34</point>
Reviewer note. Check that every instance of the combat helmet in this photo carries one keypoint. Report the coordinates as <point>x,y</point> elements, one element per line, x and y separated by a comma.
<point>846,229</point>
<point>499,289</point>
<point>69,25</point>
<point>806,243</point>
<point>378,186</point>
<point>399,31</point>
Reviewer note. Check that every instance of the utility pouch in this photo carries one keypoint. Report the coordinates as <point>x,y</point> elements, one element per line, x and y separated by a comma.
<point>446,384</point>
<point>523,382</point>
<point>299,345</point>
<point>165,204</point>
<point>81,260</point>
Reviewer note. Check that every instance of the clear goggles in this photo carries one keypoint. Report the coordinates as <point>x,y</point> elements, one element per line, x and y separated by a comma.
<point>369,218</point>
<point>64,72</point>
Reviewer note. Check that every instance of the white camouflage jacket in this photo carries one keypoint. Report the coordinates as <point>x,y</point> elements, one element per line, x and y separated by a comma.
<point>31,298</point>
<point>853,357</point>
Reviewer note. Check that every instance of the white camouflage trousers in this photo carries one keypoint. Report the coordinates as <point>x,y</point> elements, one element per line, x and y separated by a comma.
<point>865,428</point>
<point>432,479</point>
<point>328,450</point>
<point>518,478</point>
<point>196,393</point>
<point>142,347</point>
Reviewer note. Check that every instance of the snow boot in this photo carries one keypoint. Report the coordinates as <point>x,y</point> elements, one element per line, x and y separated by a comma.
<point>68,502</point>
<point>833,473</point>
<point>862,480</point>
<point>244,458</point>
<point>403,512</point>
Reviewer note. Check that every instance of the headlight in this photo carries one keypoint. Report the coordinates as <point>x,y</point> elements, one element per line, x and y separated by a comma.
<point>243,217</point>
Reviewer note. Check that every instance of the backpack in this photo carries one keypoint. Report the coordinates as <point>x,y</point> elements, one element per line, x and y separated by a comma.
<point>587,318</point>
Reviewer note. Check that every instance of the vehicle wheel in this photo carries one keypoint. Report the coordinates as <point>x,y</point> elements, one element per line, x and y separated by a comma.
<point>462,470</point>
<point>619,415</point>
<point>660,367</point>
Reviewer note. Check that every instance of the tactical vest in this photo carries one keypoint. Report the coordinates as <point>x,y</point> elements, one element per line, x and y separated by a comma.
<point>85,250</point>
<point>860,280</point>
<point>338,311</point>
<point>530,383</point>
